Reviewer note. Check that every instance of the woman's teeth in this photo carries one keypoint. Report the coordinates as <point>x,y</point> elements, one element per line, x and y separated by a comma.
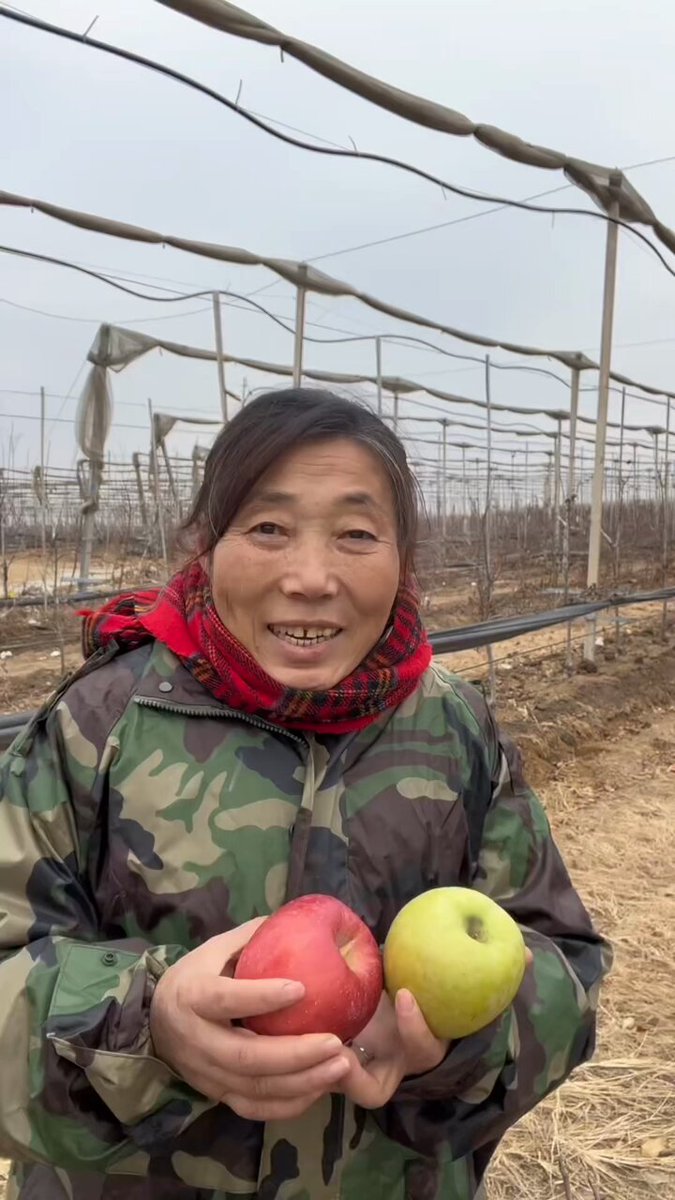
<point>303,636</point>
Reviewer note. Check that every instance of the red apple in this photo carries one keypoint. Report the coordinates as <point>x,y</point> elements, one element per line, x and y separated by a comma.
<point>320,942</point>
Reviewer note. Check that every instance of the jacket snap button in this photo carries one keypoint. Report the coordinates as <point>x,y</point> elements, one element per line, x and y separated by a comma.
<point>165,686</point>
<point>109,959</point>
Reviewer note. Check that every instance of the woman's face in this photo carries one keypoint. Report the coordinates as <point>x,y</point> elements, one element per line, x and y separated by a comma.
<point>307,574</point>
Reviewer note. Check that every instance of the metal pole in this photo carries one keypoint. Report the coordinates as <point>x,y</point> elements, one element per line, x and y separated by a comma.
<point>299,330</point>
<point>488,485</point>
<point>570,499</point>
<point>492,670</point>
<point>619,489</point>
<point>396,413</point>
<point>378,362</point>
<point>557,458</point>
<point>465,501</point>
<point>618,526</point>
<point>95,472</point>
<point>43,496</point>
<point>548,481</point>
<point>665,517</point>
<point>158,493</point>
<point>170,474</point>
<point>444,492</point>
<point>217,324</point>
<point>595,532</point>
<point>574,410</point>
<point>136,463</point>
<point>3,535</point>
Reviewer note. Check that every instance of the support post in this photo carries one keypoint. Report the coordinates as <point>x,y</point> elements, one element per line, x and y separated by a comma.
<point>488,485</point>
<point>557,481</point>
<point>136,462</point>
<point>444,489</point>
<point>570,500</point>
<point>43,497</point>
<point>492,670</point>
<point>465,495</point>
<point>158,493</point>
<point>217,325</point>
<point>378,368</point>
<point>666,519</point>
<point>595,532</point>
<point>299,330</point>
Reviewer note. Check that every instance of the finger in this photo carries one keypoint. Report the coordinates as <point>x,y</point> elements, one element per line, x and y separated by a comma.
<point>423,1051</point>
<point>529,957</point>
<point>216,998</point>
<point>255,1056</point>
<point>316,1081</point>
<point>269,1110</point>
<point>380,1036</point>
<point>373,1086</point>
<point>218,951</point>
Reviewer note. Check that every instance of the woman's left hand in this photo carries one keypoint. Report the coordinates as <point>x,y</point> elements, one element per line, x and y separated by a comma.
<point>400,1042</point>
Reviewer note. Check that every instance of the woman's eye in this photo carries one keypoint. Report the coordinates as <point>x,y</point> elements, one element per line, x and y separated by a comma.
<point>360,535</point>
<point>267,529</point>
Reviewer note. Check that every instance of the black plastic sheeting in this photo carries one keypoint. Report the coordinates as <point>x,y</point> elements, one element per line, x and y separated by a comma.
<point>465,637</point>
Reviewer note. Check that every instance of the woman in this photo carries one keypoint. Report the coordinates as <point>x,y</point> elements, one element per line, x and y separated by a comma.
<point>270,725</point>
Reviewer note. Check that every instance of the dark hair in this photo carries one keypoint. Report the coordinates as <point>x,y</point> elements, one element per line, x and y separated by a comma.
<point>274,424</point>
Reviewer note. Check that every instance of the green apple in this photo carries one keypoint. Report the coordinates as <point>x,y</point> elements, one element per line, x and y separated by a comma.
<point>460,954</point>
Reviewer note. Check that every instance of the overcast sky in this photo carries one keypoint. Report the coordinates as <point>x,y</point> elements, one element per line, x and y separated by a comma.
<point>81,129</point>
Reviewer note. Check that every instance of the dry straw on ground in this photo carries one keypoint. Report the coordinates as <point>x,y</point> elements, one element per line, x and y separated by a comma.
<point>609,1133</point>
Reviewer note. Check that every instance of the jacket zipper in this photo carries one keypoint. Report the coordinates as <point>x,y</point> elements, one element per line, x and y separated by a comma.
<point>195,710</point>
<point>201,710</point>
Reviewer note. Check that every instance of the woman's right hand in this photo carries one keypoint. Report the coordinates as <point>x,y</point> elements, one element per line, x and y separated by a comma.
<point>260,1078</point>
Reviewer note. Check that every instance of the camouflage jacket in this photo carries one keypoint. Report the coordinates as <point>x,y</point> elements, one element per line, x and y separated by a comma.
<point>139,816</point>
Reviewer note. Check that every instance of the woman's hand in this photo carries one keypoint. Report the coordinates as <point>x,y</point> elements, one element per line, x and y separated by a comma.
<point>260,1078</point>
<point>400,1043</point>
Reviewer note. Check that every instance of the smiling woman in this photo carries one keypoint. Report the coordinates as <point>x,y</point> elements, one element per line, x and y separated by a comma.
<point>307,569</point>
<point>266,726</point>
<point>307,574</point>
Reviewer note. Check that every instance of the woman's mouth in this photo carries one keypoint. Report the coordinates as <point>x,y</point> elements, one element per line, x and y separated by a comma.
<point>304,635</point>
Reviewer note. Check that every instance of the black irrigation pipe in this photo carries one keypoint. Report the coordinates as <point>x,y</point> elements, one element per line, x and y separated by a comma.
<point>465,637</point>
<point>38,601</point>
<point>501,629</point>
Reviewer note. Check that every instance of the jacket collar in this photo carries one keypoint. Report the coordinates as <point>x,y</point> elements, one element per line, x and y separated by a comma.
<point>167,681</point>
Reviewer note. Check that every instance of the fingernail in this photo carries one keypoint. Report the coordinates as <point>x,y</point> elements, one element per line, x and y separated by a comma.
<point>405,1002</point>
<point>293,990</point>
<point>332,1043</point>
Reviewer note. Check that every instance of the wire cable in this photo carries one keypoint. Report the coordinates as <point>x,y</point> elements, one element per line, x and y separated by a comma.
<point>365,155</point>
<point>394,339</point>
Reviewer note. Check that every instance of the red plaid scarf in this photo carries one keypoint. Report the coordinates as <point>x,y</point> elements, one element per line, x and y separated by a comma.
<point>182,616</point>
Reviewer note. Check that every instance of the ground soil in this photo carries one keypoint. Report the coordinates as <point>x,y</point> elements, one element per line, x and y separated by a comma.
<point>600,748</point>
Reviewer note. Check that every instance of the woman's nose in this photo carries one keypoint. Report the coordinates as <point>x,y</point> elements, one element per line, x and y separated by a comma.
<point>309,572</point>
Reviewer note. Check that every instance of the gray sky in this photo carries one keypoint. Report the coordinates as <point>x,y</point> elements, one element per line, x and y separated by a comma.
<point>590,77</point>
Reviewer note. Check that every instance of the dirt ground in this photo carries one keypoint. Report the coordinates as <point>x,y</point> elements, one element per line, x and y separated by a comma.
<point>610,1131</point>
<point>600,748</point>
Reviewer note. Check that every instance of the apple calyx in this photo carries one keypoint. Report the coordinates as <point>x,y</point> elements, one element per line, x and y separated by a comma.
<point>476,929</point>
